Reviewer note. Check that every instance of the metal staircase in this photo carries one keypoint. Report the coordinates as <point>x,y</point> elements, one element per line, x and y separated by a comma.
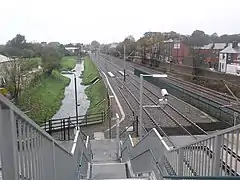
<point>29,153</point>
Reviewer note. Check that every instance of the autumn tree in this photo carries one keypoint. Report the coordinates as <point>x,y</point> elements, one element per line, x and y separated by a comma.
<point>14,72</point>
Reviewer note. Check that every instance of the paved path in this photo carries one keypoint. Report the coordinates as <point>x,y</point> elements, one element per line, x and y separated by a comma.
<point>105,164</point>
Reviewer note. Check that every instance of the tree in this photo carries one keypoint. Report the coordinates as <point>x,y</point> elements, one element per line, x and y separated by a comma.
<point>214,38</point>
<point>95,44</point>
<point>27,53</point>
<point>50,59</point>
<point>17,42</point>
<point>14,71</point>
<point>198,38</point>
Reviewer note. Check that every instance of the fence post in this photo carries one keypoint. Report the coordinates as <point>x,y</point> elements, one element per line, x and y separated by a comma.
<point>137,126</point>
<point>110,130</point>
<point>69,128</point>
<point>61,132</point>
<point>86,118</point>
<point>118,138</point>
<point>180,161</point>
<point>64,132</point>
<point>216,155</point>
<point>134,124</point>
<point>45,125</point>
<point>9,150</point>
<point>54,161</point>
<point>50,127</point>
<point>103,116</point>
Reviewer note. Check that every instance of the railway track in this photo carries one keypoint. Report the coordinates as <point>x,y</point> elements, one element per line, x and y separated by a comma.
<point>169,109</point>
<point>213,95</point>
<point>170,116</point>
<point>216,96</point>
<point>150,95</point>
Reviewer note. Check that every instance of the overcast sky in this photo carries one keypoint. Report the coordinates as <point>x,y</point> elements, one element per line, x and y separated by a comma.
<point>112,20</point>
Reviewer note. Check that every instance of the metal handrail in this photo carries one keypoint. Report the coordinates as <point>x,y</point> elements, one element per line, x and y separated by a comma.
<point>38,155</point>
<point>5,103</point>
<point>128,127</point>
<point>184,158</point>
<point>160,138</point>
<point>201,177</point>
<point>219,133</point>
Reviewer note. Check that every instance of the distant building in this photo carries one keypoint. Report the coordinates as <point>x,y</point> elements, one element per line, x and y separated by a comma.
<point>73,49</point>
<point>177,50</point>
<point>229,56</point>
<point>180,51</point>
<point>211,52</point>
<point>113,45</point>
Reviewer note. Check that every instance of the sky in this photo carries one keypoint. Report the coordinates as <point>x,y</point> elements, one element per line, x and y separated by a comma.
<point>109,21</point>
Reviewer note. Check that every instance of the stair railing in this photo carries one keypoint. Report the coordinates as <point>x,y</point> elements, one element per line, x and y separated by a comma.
<point>216,155</point>
<point>28,152</point>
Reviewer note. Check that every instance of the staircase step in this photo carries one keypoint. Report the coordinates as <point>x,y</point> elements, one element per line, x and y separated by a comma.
<point>104,150</point>
<point>125,179</point>
<point>99,136</point>
<point>108,171</point>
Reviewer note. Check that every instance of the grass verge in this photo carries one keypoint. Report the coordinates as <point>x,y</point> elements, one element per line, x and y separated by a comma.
<point>44,99</point>
<point>96,92</point>
<point>68,63</point>
<point>90,73</point>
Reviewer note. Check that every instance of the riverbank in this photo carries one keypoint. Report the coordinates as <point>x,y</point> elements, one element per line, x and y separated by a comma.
<point>68,107</point>
<point>90,73</point>
<point>68,63</point>
<point>43,99</point>
<point>96,91</point>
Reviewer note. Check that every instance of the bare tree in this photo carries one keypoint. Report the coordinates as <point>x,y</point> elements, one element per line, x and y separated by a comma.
<point>14,72</point>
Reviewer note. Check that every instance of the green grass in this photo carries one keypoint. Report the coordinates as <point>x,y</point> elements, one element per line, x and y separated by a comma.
<point>36,60</point>
<point>90,72</point>
<point>68,62</point>
<point>43,100</point>
<point>97,92</point>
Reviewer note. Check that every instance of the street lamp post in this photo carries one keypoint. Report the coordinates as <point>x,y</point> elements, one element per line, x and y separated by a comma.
<point>141,99</point>
<point>124,62</point>
<point>76,104</point>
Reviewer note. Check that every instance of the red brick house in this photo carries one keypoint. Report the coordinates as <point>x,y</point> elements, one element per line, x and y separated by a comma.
<point>180,51</point>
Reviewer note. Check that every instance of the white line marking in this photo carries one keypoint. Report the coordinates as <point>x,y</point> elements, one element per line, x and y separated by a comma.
<point>111,74</point>
<point>117,101</point>
<point>117,116</point>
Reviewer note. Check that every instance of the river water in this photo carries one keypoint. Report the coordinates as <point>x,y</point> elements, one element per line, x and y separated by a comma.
<point>68,103</point>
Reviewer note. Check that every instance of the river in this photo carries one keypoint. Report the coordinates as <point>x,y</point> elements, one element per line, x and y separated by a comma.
<point>68,103</point>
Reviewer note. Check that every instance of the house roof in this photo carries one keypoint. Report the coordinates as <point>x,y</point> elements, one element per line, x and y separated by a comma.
<point>71,48</point>
<point>208,46</point>
<point>219,46</point>
<point>4,59</point>
<point>231,50</point>
<point>216,46</point>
